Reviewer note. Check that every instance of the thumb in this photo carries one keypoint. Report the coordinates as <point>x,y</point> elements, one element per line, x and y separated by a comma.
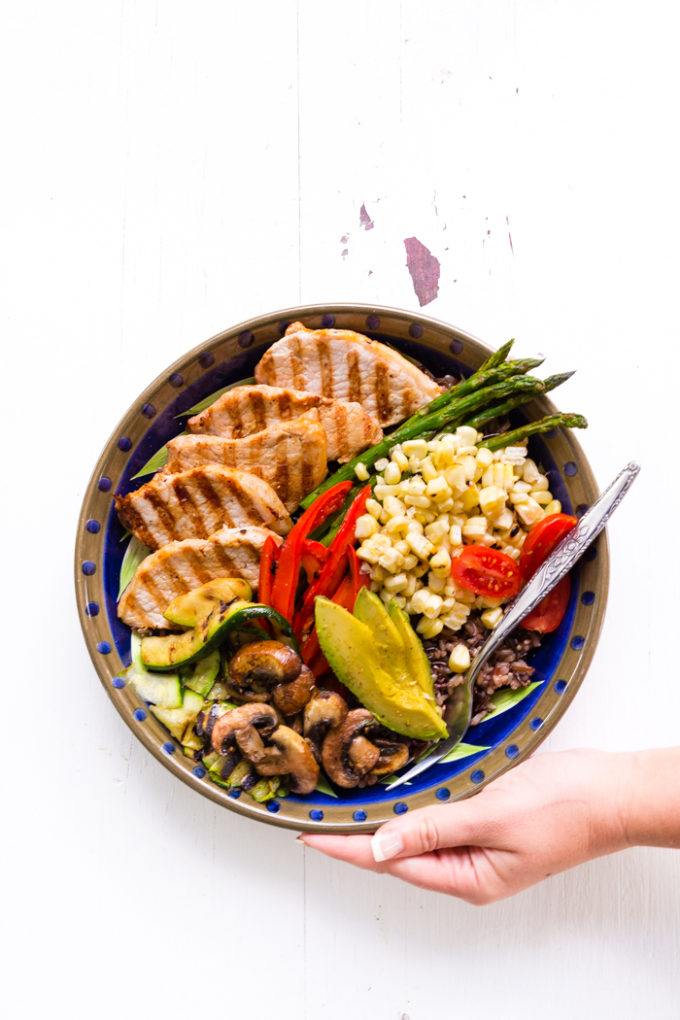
<point>463,823</point>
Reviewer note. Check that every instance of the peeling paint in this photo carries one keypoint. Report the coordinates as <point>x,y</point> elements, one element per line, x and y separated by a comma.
<point>507,220</point>
<point>365,220</point>
<point>424,269</point>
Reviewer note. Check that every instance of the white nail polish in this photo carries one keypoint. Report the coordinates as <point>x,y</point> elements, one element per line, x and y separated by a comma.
<point>385,845</point>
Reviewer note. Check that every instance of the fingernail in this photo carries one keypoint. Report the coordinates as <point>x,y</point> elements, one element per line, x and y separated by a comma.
<point>385,845</point>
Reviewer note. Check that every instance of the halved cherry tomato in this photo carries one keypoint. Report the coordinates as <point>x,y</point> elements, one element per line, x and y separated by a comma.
<point>547,616</point>
<point>541,540</point>
<point>486,571</point>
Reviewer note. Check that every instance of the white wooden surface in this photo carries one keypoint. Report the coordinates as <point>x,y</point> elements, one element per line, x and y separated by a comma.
<point>170,169</point>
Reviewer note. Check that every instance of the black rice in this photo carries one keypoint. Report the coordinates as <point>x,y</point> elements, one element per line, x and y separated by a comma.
<point>506,667</point>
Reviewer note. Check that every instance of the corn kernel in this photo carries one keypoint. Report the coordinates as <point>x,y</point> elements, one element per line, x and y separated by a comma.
<point>419,601</point>
<point>541,483</point>
<point>396,583</point>
<point>515,455</point>
<point>365,527</point>
<point>393,506</point>
<point>428,470</point>
<point>491,500</point>
<point>542,497</point>
<point>491,618</point>
<point>553,508</point>
<point>436,584</point>
<point>466,435</point>
<point>399,458</point>
<point>392,474</point>
<point>420,545</point>
<point>469,465</point>
<point>484,457</point>
<point>430,628</point>
<point>455,478</point>
<point>440,563</point>
<point>456,617</point>
<point>438,530</point>
<point>530,472</point>
<point>373,507</point>
<point>455,534</point>
<point>418,501</point>
<point>529,513</point>
<point>391,560</point>
<point>437,489</point>
<point>415,448</point>
<point>474,528</point>
<point>381,464</point>
<point>361,471</point>
<point>459,659</point>
<point>470,497</point>
<point>504,520</point>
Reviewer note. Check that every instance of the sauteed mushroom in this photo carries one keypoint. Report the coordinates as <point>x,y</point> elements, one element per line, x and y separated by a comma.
<point>324,711</point>
<point>247,725</point>
<point>272,749</point>
<point>300,765</point>
<point>356,753</point>
<point>269,669</point>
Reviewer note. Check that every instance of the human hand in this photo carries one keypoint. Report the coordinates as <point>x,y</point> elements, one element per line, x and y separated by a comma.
<point>548,814</point>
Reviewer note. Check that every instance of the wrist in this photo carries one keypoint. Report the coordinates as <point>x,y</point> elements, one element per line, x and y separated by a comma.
<point>651,800</point>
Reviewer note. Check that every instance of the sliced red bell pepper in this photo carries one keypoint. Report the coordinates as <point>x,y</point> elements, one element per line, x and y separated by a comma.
<point>290,554</point>
<point>314,555</point>
<point>335,566</point>
<point>268,561</point>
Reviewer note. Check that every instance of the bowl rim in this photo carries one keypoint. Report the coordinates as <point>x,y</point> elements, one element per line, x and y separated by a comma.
<point>532,738</point>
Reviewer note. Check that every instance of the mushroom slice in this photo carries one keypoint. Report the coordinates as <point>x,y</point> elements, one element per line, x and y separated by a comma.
<point>393,756</point>
<point>300,766</point>
<point>261,719</point>
<point>325,711</point>
<point>292,697</point>
<point>271,662</point>
<point>269,669</point>
<point>336,753</point>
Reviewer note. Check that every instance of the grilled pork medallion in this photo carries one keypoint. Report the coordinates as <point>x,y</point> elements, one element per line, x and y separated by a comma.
<point>182,566</point>
<point>247,409</point>
<point>344,365</point>
<point>196,503</point>
<point>290,456</point>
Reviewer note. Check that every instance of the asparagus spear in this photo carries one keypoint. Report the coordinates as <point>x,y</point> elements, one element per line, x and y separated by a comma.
<point>566,421</point>
<point>497,410</point>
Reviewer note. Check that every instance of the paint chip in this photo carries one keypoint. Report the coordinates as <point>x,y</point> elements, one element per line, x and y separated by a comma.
<point>365,220</point>
<point>424,269</point>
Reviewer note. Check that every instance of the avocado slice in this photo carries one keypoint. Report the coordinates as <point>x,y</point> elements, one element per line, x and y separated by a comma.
<point>373,671</point>
<point>417,662</point>
<point>165,653</point>
<point>187,609</point>
<point>370,609</point>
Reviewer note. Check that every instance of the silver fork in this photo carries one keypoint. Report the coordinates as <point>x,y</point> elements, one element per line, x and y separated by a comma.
<point>559,563</point>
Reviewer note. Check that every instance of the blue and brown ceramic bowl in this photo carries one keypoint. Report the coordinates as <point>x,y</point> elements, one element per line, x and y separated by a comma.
<point>503,740</point>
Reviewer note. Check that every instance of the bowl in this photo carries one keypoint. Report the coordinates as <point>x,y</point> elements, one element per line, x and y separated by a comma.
<point>493,746</point>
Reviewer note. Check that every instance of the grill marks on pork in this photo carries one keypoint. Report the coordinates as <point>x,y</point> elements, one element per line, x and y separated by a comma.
<point>197,502</point>
<point>182,566</point>
<point>345,365</point>
<point>246,410</point>
<point>290,455</point>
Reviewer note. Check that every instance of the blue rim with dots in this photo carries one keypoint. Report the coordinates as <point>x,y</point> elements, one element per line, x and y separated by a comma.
<point>157,415</point>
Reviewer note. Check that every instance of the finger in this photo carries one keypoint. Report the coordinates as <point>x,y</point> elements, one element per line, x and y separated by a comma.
<point>448,871</point>
<point>353,849</point>
<point>465,823</point>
